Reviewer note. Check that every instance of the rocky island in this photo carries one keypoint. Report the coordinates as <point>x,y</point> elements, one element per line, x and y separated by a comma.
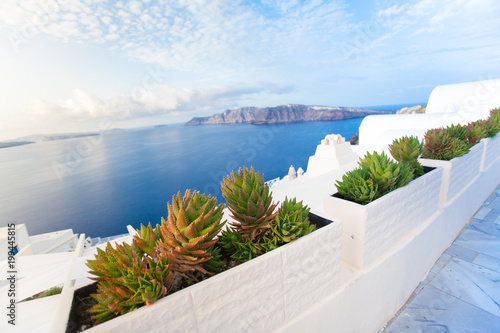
<point>292,113</point>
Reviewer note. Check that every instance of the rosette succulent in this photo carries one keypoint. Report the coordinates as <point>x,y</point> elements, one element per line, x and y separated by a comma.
<point>249,201</point>
<point>238,246</point>
<point>127,279</point>
<point>387,174</point>
<point>440,145</point>
<point>357,186</point>
<point>291,222</point>
<point>189,234</point>
<point>406,151</point>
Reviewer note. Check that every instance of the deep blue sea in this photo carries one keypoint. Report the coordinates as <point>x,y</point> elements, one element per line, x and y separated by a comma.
<point>98,185</point>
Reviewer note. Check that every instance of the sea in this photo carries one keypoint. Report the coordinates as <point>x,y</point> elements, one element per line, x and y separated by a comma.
<point>98,185</point>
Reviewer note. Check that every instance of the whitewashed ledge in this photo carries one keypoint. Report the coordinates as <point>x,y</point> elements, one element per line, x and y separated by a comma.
<point>368,297</point>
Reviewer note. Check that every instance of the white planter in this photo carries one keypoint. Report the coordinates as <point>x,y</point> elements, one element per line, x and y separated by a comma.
<point>259,295</point>
<point>458,173</point>
<point>491,151</point>
<point>371,230</point>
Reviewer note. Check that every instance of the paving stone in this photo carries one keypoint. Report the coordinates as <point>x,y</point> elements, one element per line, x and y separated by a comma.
<point>462,253</point>
<point>471,283</point>
<point>479,242</point>
<point>488,262</point>
<point>485,227</point>
<point>482,213</point>
<point>436,311</point>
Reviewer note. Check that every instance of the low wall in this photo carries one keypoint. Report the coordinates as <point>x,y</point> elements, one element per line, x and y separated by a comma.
<point>367,299</point>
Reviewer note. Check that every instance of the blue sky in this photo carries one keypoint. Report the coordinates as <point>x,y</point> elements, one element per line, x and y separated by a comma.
<point>75,65</point>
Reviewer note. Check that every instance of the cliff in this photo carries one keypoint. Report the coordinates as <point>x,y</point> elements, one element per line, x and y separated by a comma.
<point>412,109</point>
<point>283,114</point>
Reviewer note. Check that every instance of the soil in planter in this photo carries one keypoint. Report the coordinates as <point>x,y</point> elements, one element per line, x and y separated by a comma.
<point>79,317</point>
<point>318,221</point>
<point>338,195</point>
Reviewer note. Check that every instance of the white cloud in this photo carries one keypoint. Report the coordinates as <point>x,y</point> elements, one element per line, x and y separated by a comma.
<point>83,106</point>
<point>189,35</point>
<point>298,43</point>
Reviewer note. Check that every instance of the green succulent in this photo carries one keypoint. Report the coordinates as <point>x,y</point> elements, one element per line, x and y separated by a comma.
<point>238,246</point>
<point>127,279</point>
<point>475,133</point>
<point>189,234</point>
<point>357,186</point>
<point>268,244</point>
<point>439,145</point>
<point>406,151</point>
<point>107,263</point>
<point>292,207</point>
<point>291,222</point>
<point>146,239</point>
<point>250,202</point>
<point>495,115</point>
<point>215,263</point>
<point>489,127</point>
<point>387,174</point>
<point>457,131</point>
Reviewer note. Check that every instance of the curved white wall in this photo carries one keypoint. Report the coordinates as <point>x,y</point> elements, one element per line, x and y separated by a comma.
<point>378,131</point>
<point>471,100</point>
<point>448,104</point>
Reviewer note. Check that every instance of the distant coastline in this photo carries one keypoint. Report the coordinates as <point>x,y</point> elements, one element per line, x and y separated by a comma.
<point>42,137</point>
<point>283,114</point>
<point>14,144</point>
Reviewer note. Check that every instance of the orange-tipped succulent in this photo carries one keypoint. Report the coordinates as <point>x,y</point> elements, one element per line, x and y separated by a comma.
<point>249,201</point>
<point>189,233</point>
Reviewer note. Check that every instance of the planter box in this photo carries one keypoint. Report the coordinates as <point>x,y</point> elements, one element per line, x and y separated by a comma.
<point>458,173</point>
<point>491,151</point>
<point>371,230</point>
<point>259,295</point>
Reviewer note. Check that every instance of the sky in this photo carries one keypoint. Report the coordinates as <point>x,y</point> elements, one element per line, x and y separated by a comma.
<point>89,65</point>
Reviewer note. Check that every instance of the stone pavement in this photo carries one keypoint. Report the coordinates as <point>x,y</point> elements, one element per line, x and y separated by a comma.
<point>461,293</point>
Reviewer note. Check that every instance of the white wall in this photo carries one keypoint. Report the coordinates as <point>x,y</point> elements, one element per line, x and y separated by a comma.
<point>448,104</point>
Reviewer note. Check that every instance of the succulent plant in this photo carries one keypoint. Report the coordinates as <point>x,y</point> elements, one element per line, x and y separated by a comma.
<point>406,151</point>
<point>127,279</point>
<point>268,244</point>
<point>189,234</point>
<point>387,174</point>
<point>457,131</point>
<point>107,263</point>
<point>291,222</point>
<point>249,201</point>
<point>475,133</point>
<point>238,246</point>
<point>215,263</point>
<point>357,186</point>
<point>440,145</point>
<point>146,239</point>
<point>495,115</point>
<point>489,127</point>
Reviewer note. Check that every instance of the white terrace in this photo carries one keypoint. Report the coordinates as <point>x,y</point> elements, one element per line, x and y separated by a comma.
<point>350,276</point>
